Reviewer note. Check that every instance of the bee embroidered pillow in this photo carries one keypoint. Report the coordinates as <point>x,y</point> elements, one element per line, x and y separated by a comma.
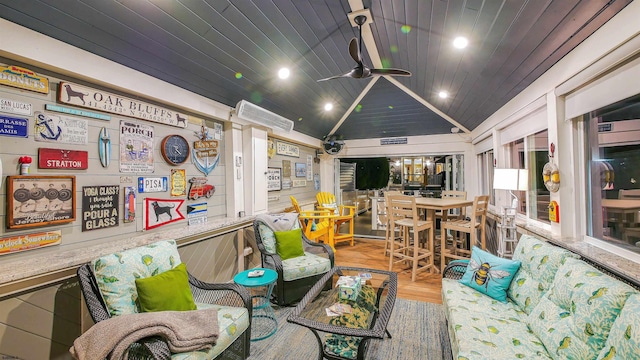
<point>490,274</point>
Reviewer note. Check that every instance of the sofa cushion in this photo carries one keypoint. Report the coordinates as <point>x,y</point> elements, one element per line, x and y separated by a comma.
<point>116,273</point>
<point>540,262</point>
<point>484,328</point>
<point>304,266</point>
<point>624,338</point>
<point>289,243</point>
<point>269,238</point>
<point>489,274</point>
<point>166,291</point>
<point>232,322</point>
<point>574,318</point>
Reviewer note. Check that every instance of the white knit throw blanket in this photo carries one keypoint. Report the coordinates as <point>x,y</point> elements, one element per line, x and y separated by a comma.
<point>184,331</point>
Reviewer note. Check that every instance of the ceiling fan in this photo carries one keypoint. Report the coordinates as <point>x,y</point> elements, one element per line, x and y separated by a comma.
<point>361,71</point>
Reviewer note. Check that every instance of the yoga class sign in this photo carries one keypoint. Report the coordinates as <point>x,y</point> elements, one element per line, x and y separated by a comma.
<point>87,97</point>
<point>100,207</point>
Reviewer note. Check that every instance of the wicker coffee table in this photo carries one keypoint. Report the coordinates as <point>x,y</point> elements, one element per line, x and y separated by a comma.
<point>347,336</point>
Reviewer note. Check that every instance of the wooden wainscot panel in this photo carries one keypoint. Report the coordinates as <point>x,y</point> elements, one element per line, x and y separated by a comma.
<point>63,159</point>
<point>87,97</point>
<point>24,242</point>
<point>23,79</point>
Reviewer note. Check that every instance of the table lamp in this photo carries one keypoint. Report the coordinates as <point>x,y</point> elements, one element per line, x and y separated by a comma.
<point>511,179</point>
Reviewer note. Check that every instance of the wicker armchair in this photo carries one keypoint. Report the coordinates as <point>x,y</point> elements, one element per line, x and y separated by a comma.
<point>227,294</point>
<point>288,291</point>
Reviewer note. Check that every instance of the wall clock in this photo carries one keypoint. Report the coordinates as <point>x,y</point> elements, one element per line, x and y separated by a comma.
<point>175,149</point>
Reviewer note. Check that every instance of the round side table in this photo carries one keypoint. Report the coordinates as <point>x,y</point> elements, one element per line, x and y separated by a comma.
<point>264,323</point>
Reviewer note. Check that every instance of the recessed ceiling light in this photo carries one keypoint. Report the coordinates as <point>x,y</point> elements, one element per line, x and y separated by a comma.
<point>328,107</point>
<point>283,73</point>
<point>443,94</point>
<point>460,42</point>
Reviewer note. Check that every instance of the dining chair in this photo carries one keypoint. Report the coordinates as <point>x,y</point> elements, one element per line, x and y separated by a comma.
<point>475,223</point>
<point>404,215</point>
<point>389,234</point>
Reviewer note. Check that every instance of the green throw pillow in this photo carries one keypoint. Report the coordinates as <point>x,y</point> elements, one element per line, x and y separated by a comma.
<point>490,274</point>
<point>289,243</point>
<point>166,291</point>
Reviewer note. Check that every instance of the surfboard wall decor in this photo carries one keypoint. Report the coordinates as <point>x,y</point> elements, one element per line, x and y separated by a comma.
<point>105,147</point>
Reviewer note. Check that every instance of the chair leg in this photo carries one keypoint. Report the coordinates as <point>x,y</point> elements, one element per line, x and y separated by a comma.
<point>391,244</point>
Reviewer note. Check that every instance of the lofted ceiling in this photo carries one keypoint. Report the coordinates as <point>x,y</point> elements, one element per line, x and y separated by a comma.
<point>230,50</point>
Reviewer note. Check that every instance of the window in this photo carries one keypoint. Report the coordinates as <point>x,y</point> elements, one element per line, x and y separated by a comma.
<point>532,153</point>
<point>485,161</point>
<point>613,173</point>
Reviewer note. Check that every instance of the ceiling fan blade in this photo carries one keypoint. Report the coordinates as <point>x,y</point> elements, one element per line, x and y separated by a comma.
<point>392,72</point>
<point>354,51</point>
<point>335,77</point>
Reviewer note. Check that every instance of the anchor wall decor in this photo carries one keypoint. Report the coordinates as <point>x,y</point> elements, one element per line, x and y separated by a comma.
<point>61,129</point>
<point>205,151</point>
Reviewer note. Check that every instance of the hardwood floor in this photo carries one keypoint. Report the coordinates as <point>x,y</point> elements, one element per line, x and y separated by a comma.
<point>368,253</point>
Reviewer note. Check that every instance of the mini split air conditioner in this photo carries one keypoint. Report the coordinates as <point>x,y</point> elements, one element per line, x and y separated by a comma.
<point>257,115</point>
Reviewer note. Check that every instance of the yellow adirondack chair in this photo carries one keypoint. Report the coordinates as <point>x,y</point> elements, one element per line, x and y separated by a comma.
<point>344,215</point>
<point>320,217</point>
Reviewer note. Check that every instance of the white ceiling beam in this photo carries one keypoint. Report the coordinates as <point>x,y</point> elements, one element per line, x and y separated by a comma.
<point>354,104</point>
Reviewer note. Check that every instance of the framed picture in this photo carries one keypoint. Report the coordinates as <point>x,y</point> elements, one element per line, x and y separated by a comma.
<point>301,170</point>
<point>274,179</point>
<point>40,200</point>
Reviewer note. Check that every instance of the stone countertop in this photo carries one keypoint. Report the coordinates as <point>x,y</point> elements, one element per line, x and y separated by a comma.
<point>54,259</point>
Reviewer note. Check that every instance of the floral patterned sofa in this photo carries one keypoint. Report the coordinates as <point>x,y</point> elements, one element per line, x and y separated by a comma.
<point>558,307</point>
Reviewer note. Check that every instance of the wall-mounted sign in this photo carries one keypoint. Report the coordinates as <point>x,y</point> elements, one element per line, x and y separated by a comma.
<point>178,182</point>
<point>158,212</point>
<point>23,79</point>
<point>40,200</point>
<point>197,213</point>
<point>301,170</point>
<point>286,183</point>
<point>283,148</point>
<point>205,152</point>
<point>15,127</point>
<point>274,179</point>
<point>62,159</point>
<point>61,129</point>
<point>16,107</point>
<point>152,184</point>
<point>136,147</point>
<point>18,243</point>
<point>299,183</point>
<point>129,204</point>
<point>309,167</point>
<point>87,97</point>
<point>286,168</point>
<point>393,141</point>
<point>71,111</point>
<point>100,207</point>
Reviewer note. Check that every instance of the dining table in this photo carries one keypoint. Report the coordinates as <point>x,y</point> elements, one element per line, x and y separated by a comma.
<point>627,210</point>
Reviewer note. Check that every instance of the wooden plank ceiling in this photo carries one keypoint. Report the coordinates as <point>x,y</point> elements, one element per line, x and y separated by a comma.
<point>229,50</point>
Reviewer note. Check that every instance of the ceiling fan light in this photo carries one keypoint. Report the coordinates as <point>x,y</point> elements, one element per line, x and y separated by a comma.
<point>284,73</point>
<point>460,42</point>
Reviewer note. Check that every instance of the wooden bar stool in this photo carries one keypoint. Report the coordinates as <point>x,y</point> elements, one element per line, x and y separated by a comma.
<point>390,232</point>
<point>459,250</point>
<point>404,214</point>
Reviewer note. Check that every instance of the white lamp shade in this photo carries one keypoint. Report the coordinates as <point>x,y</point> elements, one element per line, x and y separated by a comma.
<point>510,179</point>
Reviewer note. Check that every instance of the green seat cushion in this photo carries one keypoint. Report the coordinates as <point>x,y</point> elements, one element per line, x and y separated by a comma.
<point>490,274</point>
<point>115,274</point>
<point>574,317</point>
<point>540,262</point>
<point>289,243</point>
<point>166,291</point>
<point>624,338</point>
